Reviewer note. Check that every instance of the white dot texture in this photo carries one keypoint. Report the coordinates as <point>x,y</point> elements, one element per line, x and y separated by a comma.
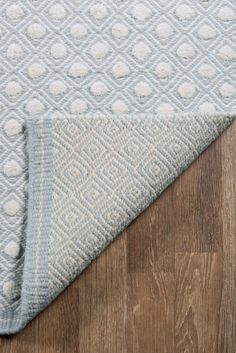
<point>78,31</point>
<point>12,249</point>
<point>119,30</point>
<point>184,12</point>
<point>11,208</point>
<point>141,12</point>
<point>186,90</point>
<point>227,90</point>
<point>57,87</point>
<point>9,290</point>
<point>163,70</point>
<point>99,88</point>
<point>185,51</point>
<point>206,32</point>
<point>119,107</point>
<point>227,53</point>
<point>226,14</point>
<point>13,89</point>
<point>120,69</point>
<point>12,127</point>
<point>57,12</point>
<point>165,109</point>
<point>78,69</point>
<point>12,169</point>
<point>141,51</point>
<point>142,89</point>
<point>58,51</point>
<point>78,106</point>
<point>164,31</point>
<point>207,108</point>
<point>14,12</point>
<point>14,51</point>
<point>36,31</point>
<point>98,11</point>
<point>36,70</point>
<point>206,71</point>
<point>99,50</point>
<point>34,106</point>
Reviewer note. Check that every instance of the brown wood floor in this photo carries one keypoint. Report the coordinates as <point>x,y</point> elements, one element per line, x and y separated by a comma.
<point>166,285</point>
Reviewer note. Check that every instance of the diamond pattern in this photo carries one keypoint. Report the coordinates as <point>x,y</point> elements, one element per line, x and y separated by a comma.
<point>88,212</point>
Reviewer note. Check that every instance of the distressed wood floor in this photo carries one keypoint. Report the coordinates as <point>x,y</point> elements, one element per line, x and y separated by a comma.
<point>166,285</point>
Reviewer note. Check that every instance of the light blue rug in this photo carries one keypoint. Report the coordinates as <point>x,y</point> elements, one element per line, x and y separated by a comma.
<point>102,105</point>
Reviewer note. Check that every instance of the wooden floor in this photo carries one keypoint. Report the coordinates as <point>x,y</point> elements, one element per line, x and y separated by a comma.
<point>166,285</point>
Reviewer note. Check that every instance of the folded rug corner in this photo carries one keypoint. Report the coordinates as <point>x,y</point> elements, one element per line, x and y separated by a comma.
<point>89,177</point>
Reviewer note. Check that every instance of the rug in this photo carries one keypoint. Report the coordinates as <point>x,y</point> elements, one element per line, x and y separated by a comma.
<point>103,104</point>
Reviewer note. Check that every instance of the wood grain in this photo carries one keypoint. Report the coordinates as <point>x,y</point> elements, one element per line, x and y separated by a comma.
<point>166,285</point>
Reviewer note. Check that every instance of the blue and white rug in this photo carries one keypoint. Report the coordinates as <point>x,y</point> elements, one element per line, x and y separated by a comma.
<point>102,105</point>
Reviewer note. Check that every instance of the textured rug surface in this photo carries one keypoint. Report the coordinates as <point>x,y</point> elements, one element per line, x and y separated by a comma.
<point>102,105</point>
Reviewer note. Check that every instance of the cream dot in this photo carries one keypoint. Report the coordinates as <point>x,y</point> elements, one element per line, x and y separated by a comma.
<point>36,31</point>
<point>207,108</point>
<point>120,69</point>
<point>165,109</point>
<point>163,70</point>
<point>141,12</point>
<point>12,249</point>
<point>78,31</point>
<point>11,208</point>
<point>206,32</point>
<point>78,106</point>
<point>12,169</point>
<point>185,51</point>
<point>14,12</point>
<point>58,51</point>
<point>13,89</point>
<point>227,53</point>
<point>57,87</point>
<point>141,51</point>
<point>14,51</point>
<point>164,31</point>
<point>119,107</point>
<point>186,90</point>
<point>206,71</point>
<point>184,12</point>
<point>98,11</point>
<point>12,127</point>
<point>34,106</point>
<point>57,12</point>
<point>119,30</point>
<point>78,70</point>
<point>9,290</point>
<point>99,50</point>
<point>99,88</point>
<point>36,70</point>
<point>226,14</point>
<point>142,89</point>
<point>227,90</point>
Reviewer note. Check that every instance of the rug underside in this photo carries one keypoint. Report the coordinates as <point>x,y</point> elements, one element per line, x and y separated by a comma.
<point>89,177</point>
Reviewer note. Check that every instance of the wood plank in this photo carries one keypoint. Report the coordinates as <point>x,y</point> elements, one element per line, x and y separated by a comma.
<point>198,300</point>
<point>198,204</point>
<point>151,280</point>
<point>227,339</point>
